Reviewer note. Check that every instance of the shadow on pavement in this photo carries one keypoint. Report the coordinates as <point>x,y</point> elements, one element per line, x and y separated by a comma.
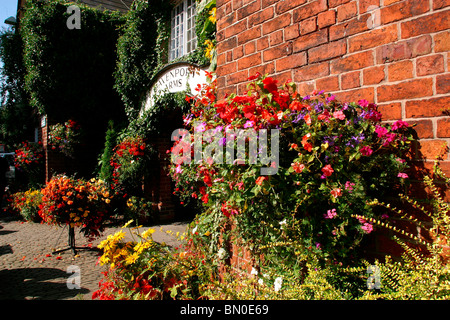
<point>36,284</point>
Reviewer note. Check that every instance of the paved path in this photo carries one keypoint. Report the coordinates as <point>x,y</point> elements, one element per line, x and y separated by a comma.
<point>29,270</point>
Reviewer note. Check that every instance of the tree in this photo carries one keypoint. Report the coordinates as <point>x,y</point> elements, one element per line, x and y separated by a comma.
<point>16,120</point>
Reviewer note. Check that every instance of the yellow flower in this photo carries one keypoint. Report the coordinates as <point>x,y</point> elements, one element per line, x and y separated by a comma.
<point>209,49</point>
<point>132,258</point>
<point>148,233</point>
<point>127,224</point>
<point>212,16</point>
<point>140,247</point>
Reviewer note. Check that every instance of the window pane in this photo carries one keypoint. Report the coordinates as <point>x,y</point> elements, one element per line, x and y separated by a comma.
<point>183,37</point>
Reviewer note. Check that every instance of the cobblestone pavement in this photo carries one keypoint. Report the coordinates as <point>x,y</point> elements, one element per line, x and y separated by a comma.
<point>29,270</point>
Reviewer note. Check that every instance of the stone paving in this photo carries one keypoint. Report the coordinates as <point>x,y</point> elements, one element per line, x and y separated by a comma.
<point>29,270</point>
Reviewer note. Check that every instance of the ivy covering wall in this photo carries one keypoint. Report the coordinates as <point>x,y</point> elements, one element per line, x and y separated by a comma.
<point>144,44</point>
<point>70,72</point>
<point>16,114</point>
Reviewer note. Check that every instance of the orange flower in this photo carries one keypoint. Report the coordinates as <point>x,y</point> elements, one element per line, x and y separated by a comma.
<point>307,119</point>
<point>260,180</point>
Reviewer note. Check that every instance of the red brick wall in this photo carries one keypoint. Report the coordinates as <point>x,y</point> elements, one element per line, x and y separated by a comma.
<point>391,52</point>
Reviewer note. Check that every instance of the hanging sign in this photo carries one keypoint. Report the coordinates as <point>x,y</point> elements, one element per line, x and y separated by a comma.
<point>179,77</point>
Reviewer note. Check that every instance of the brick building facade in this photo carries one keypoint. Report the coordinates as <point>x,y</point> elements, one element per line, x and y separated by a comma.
<point>390,52</point>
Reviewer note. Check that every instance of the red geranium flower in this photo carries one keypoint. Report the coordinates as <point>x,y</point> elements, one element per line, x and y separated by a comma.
<point>270,85</point>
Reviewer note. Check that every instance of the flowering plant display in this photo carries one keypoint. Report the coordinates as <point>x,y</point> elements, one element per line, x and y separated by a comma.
<point>76,202</point>
<point>144,269</point>
<point>332,158</point>
<point>130,161</point>
<point>26,204</point>
<point>29,156</point>
<point>64,137</point>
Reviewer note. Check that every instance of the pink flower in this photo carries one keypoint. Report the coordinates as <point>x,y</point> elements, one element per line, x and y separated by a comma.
<point>366,151</point>
<point>402,175</point>
<point>249,124</point>
<point>381,131</point>
<point>349,186</point>
<point>367,227</point>
<point>201,127</point>
<point>330,214</point>
<point>339,115</point>
<point>399,124</point>
<point>363,103</point>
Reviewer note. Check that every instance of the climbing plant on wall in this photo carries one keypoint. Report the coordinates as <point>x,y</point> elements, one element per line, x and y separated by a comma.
<point>143,48</point>
<point>70,72</point>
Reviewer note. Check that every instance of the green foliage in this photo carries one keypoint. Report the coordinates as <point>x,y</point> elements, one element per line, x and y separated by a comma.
<point>141,47</point>
<point>164,116</point>
<point>106,170</point>
<point>69,72</point>
<point>16,123</point>
<point>70,68</point>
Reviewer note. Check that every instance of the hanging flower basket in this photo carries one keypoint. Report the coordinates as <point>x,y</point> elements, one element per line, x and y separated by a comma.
<point>64,137</point>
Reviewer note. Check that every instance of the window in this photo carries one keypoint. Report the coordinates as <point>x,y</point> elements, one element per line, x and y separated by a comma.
<point>183,39</point>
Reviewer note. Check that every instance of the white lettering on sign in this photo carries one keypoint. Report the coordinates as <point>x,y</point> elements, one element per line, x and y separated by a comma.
<point>179,78</point>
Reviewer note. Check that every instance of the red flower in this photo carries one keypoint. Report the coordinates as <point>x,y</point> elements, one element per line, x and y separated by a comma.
<point>260,180</point>
<point>270,85</point>
<point>207,180</point>
<point>327,170</point>
<point>298,167</point>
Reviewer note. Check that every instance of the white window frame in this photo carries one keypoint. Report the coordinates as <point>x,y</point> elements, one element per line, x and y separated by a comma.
<point>183,39</point>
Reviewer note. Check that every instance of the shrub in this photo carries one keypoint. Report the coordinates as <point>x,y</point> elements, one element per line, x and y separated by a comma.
<point>27,204</point>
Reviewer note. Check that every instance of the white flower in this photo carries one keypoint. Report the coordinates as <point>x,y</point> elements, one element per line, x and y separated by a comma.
<point>254,272</point>
<point>260,282</point>
<point>277,284</point>
<point>221,253</point>
<point>194,230</point>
